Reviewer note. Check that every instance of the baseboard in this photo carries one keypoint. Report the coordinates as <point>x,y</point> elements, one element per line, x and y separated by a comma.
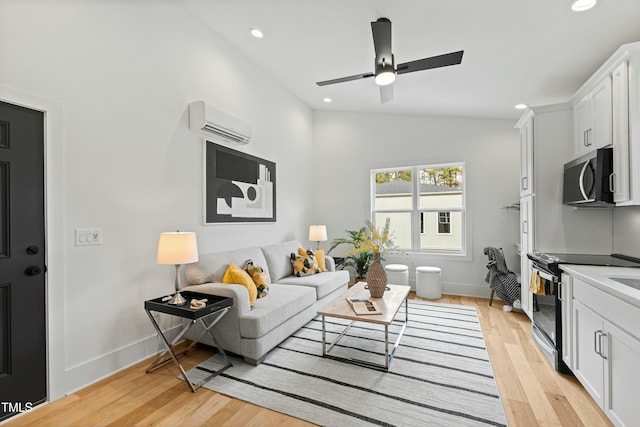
<point>462,289</point>
<point>87,373</point>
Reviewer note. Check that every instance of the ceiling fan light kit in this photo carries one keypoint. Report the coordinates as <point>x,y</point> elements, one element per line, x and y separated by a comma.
<point>384,78</point>
<point>385,70</point>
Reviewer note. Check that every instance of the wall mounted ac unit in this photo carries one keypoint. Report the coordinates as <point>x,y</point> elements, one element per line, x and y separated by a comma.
<point>217,124</point>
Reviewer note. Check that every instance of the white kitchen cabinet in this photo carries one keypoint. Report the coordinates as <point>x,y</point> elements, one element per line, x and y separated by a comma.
<point>526,157</point>
<point>565,295</point>
<point>589,365</point>
<point>611,116</point>
<point>633,132</point>
<point>527,246</point>
<point>606,351</point>
<point>620,136</point>
<point>582,124</point>
<point>622,376</point>
<point>593,118</point>
<point>606,363</point>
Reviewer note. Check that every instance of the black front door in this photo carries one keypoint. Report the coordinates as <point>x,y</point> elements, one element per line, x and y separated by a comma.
<point>23,375</point>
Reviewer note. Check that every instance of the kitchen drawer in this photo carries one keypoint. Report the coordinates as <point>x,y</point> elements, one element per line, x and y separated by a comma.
<point>613,309</point>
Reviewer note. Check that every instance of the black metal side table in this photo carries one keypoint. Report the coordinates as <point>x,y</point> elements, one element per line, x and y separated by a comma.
<point>215,306</point>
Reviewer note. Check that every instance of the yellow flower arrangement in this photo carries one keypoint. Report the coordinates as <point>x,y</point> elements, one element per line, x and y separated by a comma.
<point>377,241</point>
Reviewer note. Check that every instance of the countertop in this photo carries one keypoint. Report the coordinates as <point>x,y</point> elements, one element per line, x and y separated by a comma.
<point>600,277</point>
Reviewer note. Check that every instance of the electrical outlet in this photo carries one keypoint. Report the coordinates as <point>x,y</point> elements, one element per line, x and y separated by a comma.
<point>88,236</point>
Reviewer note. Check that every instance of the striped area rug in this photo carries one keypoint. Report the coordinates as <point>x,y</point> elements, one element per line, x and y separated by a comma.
<point>441,374</point>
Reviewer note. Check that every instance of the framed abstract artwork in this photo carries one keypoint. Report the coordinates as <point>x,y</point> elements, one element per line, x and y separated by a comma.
<point>238,187</point>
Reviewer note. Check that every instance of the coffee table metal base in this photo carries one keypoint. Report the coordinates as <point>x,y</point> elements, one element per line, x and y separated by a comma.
<point>388,355</point>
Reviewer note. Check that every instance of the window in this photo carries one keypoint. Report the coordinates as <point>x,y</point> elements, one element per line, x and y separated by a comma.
<point>426,205</point>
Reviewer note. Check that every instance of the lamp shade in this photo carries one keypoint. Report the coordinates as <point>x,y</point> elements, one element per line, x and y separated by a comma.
<point>177,248</point>
<point>317,233</point>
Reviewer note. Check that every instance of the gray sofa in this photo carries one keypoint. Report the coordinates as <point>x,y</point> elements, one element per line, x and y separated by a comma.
<point>292,301</point>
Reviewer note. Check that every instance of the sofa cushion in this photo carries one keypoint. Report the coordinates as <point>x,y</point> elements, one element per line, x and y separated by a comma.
<point>278,259</point>
<point>283,303</point>
<point>211,267</point>
<point>323,283</point>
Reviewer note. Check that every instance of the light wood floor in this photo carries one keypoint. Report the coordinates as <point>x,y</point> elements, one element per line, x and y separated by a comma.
<point>533,394</point>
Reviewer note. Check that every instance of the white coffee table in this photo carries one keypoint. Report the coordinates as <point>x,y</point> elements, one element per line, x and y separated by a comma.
<point>390,303</point>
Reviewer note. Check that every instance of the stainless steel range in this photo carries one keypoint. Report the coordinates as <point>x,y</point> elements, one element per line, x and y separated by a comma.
<point>547,309</point>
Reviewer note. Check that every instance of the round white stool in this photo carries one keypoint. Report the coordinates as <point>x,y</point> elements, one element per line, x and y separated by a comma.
<point>397,274</point>
<point>428,282</point>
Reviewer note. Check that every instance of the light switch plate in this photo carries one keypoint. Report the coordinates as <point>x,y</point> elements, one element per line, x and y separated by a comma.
<point>88,236</point>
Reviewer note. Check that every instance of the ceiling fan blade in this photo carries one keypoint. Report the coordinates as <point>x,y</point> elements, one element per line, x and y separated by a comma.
<point>453,58</point>
<point>345,79</point>
<point>381,30</point>
<point>386,93</point>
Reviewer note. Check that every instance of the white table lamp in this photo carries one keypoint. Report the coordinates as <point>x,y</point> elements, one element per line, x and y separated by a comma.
<point>177,248</point>
<point>318,233</point>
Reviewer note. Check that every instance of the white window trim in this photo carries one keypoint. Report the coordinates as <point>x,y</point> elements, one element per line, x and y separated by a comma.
<point>465,228</point>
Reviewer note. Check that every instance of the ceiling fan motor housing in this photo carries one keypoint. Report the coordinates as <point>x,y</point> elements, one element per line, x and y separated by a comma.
<point>385,71</point>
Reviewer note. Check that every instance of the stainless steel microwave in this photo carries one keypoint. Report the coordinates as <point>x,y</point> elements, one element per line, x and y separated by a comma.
<point>587,180</point>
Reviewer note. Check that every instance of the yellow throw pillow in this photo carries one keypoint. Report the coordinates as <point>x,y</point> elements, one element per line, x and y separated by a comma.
<point>319,254</point>
<point>237,275</point>
<point>259,278</point>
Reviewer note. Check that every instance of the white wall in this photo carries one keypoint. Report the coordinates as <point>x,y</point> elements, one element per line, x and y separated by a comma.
<point>348,145</point>
<point>626,231</point>
<point>115,79</point>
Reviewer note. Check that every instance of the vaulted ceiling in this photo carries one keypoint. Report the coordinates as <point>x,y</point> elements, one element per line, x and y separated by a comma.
<point>536,52</point>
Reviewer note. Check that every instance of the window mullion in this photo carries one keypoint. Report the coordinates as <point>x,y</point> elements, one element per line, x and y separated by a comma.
<point>415,232</point>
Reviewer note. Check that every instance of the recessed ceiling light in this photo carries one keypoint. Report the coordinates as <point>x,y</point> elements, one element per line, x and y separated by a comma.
<point>582,5</point>
<point>255,32</point>
<point>327,100</point>
<point>520,106</point>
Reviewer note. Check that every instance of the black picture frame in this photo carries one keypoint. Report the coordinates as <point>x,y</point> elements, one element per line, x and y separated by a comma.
<point>238,187</point>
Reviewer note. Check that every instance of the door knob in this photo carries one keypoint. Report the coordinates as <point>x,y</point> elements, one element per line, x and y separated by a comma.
<point>32,270</point>
<point>33,250</point>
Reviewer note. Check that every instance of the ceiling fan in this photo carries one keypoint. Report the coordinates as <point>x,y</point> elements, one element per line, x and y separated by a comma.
<point>385,66</point>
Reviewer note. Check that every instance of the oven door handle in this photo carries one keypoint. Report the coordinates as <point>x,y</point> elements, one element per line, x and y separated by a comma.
<point>560,298</point>
<point>547,276</point>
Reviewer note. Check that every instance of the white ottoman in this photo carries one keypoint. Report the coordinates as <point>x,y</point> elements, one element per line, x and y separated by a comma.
<point>397,274</point>
<point>428,282</point>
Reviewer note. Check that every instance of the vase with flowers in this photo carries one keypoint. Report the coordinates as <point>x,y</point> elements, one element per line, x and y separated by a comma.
<point>379,243</point>
<point>371,244</point>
